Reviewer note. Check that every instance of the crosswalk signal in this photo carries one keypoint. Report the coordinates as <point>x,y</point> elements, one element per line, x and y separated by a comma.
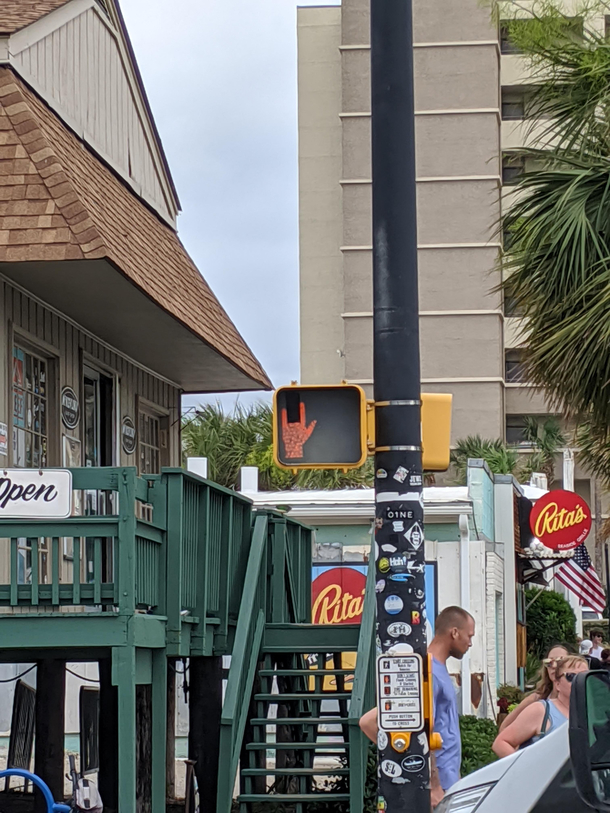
<point>319,427</point>
<point>333,427</point>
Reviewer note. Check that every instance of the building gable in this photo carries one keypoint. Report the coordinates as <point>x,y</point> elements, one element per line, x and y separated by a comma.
<point>78,59</point>
<point>61,207</point>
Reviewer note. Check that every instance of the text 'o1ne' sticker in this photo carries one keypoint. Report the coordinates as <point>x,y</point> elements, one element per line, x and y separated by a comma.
<point>390,768</point>
<point>393,605</point>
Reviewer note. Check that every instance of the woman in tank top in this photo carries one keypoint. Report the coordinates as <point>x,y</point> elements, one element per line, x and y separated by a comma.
<point>542,716</point>
<point>545,688</point>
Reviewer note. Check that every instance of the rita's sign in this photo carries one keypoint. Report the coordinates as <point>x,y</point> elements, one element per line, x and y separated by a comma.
<point>337,595</point>
<point>35,494</point>
<point>561,520</point>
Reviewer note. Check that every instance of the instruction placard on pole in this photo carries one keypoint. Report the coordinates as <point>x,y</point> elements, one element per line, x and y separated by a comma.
<point>400,689</point>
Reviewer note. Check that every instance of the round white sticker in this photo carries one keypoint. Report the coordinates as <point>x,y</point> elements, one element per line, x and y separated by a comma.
<point>390,768</point>
<point>393,605</point>
<point>382,740</point>
<point>399,628</point>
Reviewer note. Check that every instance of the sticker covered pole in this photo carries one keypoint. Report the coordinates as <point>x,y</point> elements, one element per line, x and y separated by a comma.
<point>399,518</point>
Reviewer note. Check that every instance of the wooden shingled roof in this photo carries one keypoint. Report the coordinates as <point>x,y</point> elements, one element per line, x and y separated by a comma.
<point>16,14</point>
<point>59,202</point>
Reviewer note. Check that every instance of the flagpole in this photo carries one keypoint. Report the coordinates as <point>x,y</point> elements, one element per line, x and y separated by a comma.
<point>568,485</point>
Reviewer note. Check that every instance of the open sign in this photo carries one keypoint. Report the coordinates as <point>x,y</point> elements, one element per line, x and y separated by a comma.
<point>35,494</point>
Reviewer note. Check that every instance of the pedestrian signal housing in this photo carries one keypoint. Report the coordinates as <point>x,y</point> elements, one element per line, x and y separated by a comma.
<point>333,427</point>
<point>319,427</point>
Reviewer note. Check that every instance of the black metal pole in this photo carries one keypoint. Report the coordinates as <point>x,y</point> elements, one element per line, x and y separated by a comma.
<point>607,577</point>
<point>399,537</point>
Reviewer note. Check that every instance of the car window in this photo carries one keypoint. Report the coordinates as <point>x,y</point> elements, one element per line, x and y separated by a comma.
<point>560,796</point>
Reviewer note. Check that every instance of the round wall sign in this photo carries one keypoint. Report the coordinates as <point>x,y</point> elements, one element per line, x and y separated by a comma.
<point>561,520</point>
<point>128,435</point>
<point>70,408</point>
<point>337,595</point>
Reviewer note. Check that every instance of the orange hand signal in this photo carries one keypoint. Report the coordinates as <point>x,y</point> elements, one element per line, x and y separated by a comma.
<point>295,435</point>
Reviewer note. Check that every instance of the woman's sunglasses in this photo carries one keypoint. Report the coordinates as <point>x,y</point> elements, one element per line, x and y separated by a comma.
<point>550,661</point>
<point>569,676</point>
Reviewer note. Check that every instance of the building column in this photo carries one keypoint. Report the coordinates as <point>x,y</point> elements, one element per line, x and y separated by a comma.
<point>205,709</point>
<point>50,716</point>
<point>159,729</point>
<point>124,678</point>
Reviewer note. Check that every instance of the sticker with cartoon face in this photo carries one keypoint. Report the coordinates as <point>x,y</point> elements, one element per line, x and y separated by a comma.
<point>382,740</point>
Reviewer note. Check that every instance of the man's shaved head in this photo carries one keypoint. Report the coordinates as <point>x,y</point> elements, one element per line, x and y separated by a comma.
<point>450,618</point>
<point>455,626</point>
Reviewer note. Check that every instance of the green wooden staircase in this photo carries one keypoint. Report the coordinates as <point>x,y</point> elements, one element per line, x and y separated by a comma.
<point>292,706</point>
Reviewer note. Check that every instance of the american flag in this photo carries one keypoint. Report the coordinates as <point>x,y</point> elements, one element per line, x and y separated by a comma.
<point>579,576</point>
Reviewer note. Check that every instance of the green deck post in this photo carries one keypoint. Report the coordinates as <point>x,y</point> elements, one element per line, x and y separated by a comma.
<point>76,569</point>
<point>127,541</point>
<point>175,505</point>
<point>55,571</point>
<point>14,571</point>
<point>278,580</point>
<point>124,678</point>
<point>35,577</point>
<point>159,729</point>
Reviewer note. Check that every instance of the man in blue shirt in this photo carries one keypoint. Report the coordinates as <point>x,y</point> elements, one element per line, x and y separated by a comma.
<point>453,634</point>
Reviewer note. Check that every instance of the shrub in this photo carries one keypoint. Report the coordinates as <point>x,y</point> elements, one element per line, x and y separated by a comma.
<point>513,694</point>
<point>477,738</point>
<point>550,620</point>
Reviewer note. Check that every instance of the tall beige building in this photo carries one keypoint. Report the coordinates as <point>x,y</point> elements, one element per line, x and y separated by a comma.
<point>469,99</point>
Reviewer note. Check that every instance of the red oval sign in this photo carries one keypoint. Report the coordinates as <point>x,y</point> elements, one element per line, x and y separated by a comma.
<point>337,596</point>
<point>561,520</point>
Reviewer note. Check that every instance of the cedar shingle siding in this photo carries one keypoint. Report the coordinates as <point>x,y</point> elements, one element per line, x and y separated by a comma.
<point>17,14</point>
<point>58,201</point>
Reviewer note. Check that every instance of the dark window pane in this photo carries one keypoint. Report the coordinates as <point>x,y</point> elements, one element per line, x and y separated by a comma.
<point>512,168</point>
<point>507,46</point>
<point>514,371</point>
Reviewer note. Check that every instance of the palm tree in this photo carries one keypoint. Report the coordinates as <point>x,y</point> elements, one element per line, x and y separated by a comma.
<point>558,260</point>
<point>546,438</point>
<point>500,458</point>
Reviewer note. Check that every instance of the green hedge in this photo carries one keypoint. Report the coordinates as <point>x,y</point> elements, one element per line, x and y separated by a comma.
<point>550,621</point>
<point>477,738</point>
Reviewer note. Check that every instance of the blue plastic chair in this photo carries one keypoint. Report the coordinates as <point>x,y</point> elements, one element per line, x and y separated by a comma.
<point>52,806</point>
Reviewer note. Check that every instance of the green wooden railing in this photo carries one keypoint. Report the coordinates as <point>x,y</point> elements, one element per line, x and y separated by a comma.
<point>174,545</point>
<point>278,589</point>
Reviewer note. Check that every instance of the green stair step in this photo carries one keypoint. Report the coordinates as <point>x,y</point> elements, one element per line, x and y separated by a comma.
<point>279,798</point>
<point>295,772</point>
<point>277,698</point>
<point>299,721</point>
<point>307,672</point>
<point>318,747</point>
<point>307,639</point>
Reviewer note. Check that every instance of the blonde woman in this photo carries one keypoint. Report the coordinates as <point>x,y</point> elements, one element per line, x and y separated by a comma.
<point>544,688</point>
<point>543,716</point>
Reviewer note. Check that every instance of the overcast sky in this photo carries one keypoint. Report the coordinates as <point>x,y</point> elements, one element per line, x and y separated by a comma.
<point>221,79</point>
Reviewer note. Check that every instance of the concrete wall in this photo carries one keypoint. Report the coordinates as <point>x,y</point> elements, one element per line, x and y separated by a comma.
<point>458,170</point>
<point>321,291</point>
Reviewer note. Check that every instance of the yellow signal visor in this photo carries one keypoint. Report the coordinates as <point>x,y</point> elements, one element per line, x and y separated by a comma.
<point>436,430</point>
